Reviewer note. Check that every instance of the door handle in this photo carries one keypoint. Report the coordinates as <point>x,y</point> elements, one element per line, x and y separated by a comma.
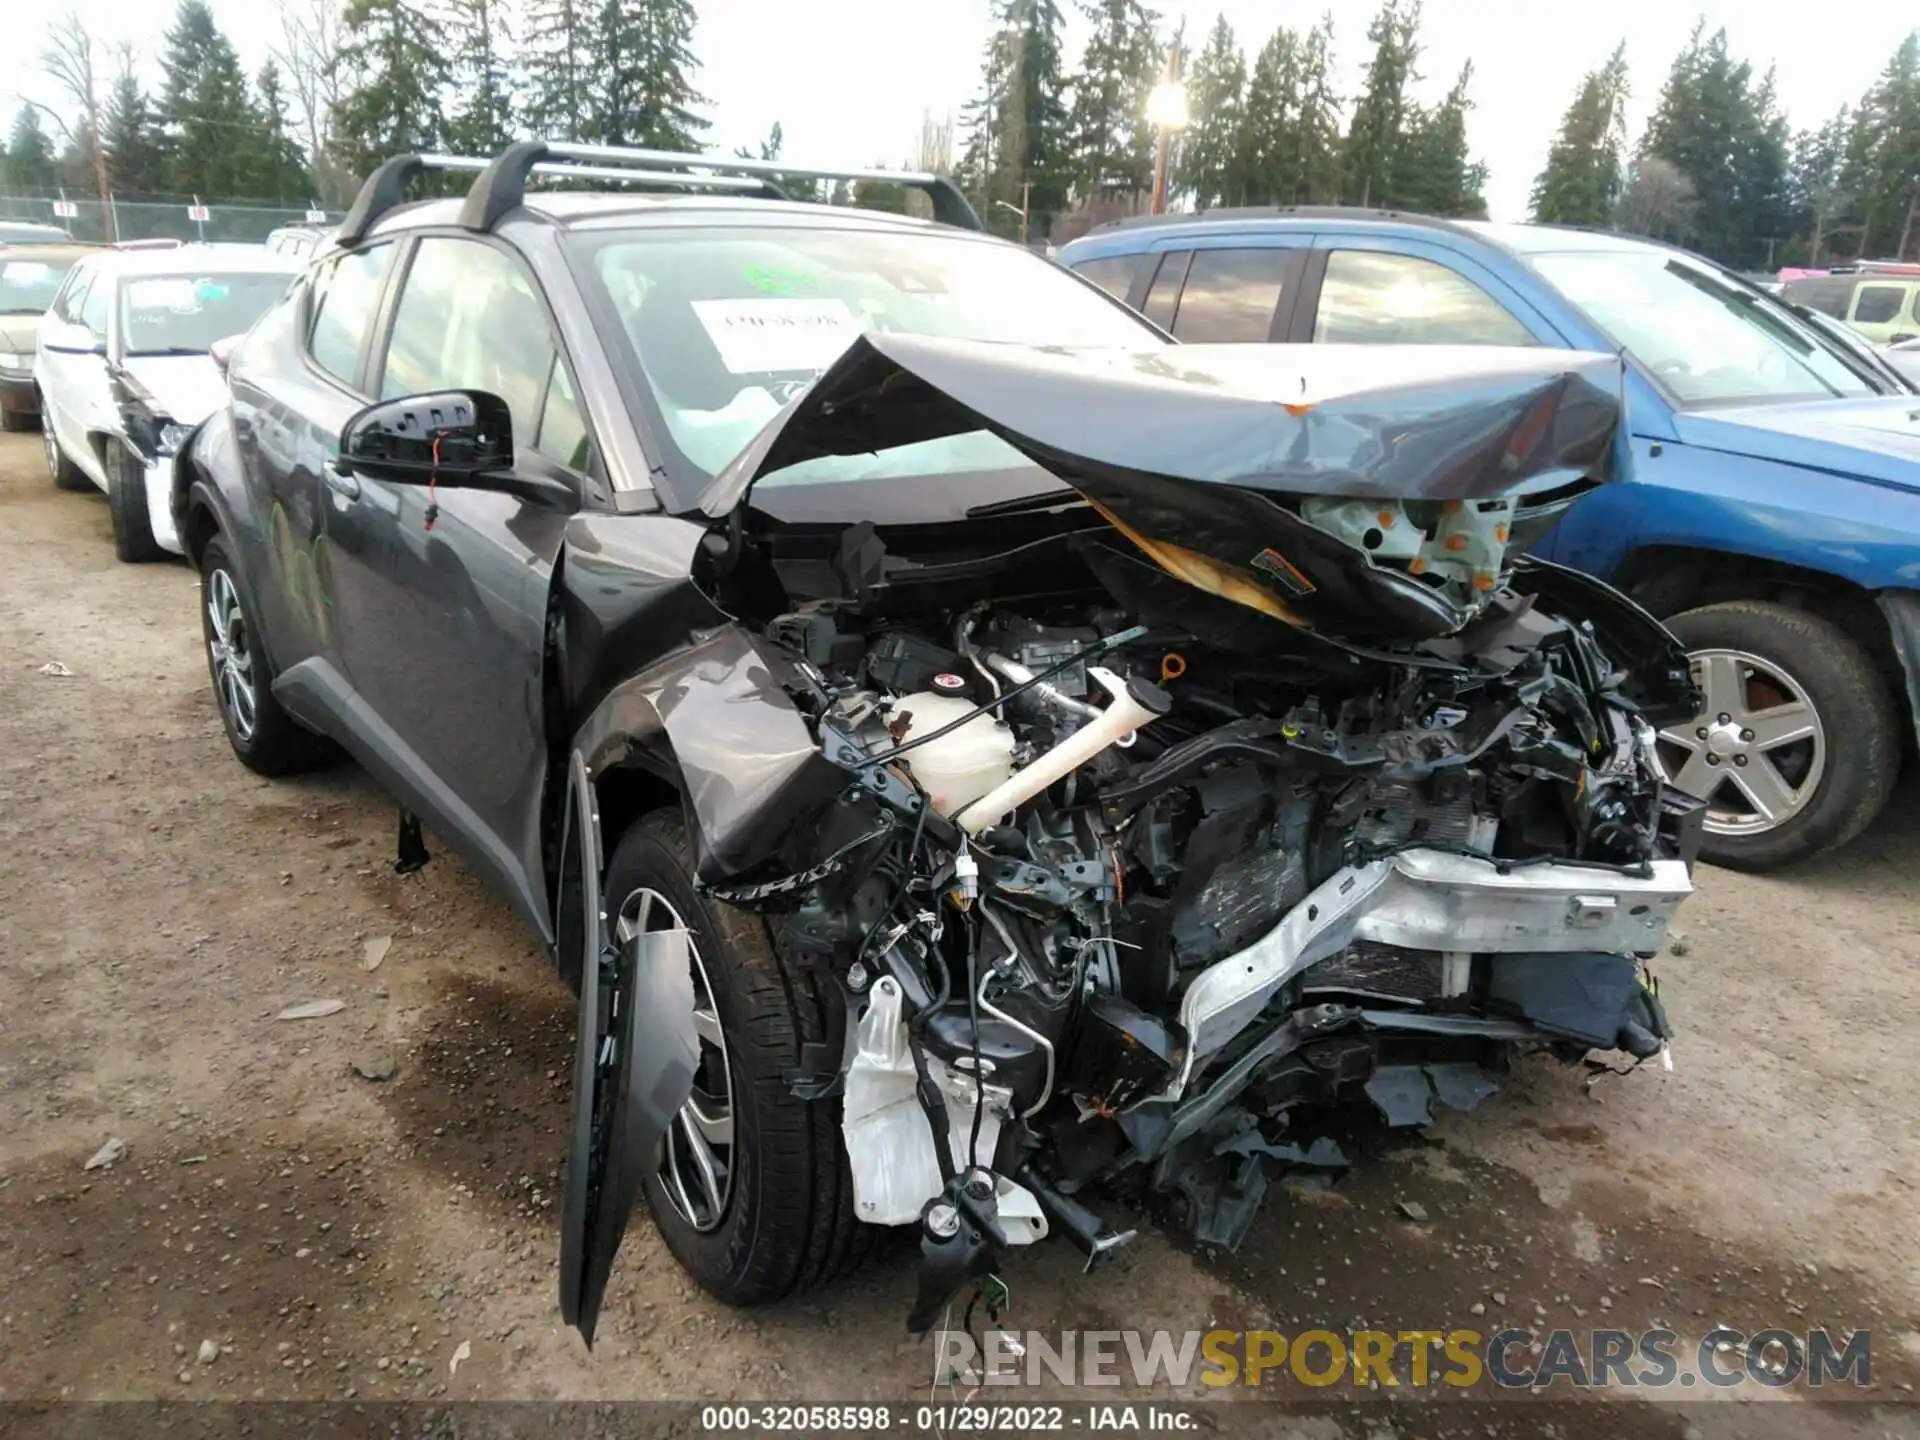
<point>342,482</point>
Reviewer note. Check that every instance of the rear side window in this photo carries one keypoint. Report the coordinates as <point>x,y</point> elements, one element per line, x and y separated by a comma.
<point>1163,299</point>
<point>1112,273</point>
<point>1371,298</point>
<point>345,295</point>
<point>1877,304</point>
<point>1829,297</point>
<point>1231,295</point>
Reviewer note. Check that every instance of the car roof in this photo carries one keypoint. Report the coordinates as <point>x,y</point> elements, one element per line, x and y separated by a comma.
<point>194,259</point>
<point>582,210</point>
<point>1514,238</point>
<point>52,250</point>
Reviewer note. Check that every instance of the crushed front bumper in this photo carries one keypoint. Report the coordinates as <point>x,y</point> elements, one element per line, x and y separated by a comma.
<point>1440,902</point>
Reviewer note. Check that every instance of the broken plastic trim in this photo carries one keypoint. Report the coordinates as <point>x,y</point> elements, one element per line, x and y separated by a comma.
<point>634,1060</point>
<point>1422,899</point>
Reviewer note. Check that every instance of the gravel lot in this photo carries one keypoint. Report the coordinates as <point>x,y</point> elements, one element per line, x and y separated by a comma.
<point>336,1237</point>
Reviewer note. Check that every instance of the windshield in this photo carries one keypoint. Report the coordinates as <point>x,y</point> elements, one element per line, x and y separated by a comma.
<point>726,326</point>
<point>185,314</point>
<point>1708,340</point>
<point>27,287</point>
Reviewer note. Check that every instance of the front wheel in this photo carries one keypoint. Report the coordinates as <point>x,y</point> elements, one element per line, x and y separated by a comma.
<point>1798,746</point>
<point>750,1189</point>
<point>133,538</point>
<point>66,475</point>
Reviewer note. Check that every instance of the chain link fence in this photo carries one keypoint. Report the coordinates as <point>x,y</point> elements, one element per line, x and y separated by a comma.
<point>154,217</point>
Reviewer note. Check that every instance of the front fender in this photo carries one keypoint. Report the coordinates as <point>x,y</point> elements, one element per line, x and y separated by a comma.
<point>717,718</point>
<point>1742,505</point>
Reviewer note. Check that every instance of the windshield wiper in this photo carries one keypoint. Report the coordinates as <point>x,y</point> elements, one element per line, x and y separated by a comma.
<point>1753,306</point>
<point>1061,499</point>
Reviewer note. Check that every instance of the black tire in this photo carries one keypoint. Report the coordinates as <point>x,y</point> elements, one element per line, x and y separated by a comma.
<point>274,743</point>
<point>66,475</point>
<point>1852,704</point>
<point>16,422</point>
<point>788,1225</point>
<point>133,538</point>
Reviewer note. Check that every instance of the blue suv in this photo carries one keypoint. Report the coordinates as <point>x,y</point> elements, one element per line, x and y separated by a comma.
<point>1771,514</point>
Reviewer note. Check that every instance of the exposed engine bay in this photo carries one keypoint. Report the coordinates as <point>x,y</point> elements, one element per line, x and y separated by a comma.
<point>1158,816</point>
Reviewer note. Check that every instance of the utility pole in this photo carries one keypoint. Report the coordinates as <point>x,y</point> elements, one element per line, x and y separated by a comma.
<point>1167,109</point>
<point>1026,202</point>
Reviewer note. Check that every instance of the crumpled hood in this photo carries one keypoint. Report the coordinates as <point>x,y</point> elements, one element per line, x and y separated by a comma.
<point>187,388</point>
<point>1876,439</point>
<point>1201,455</point>
<point>1366,421</point>
<point>18,332</point>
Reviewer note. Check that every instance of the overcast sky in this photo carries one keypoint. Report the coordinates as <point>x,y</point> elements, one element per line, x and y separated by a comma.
<point>850,79</point>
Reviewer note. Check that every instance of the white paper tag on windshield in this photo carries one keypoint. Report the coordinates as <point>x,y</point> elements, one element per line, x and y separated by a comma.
<point>755,336</point>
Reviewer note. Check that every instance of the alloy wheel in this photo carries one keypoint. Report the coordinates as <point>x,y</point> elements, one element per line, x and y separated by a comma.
<point>696,1153</point>
<point>49,445</point>
<point>1756,753</point>
<point>228,643</point>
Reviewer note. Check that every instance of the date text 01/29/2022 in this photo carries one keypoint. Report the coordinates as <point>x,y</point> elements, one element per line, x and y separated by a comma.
<point>957,1417</point>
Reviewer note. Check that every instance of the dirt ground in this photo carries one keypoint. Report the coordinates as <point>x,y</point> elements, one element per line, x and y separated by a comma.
<point>340,1238</point>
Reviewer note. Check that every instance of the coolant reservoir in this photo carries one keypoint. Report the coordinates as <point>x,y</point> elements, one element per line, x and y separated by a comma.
<point>960,767</point>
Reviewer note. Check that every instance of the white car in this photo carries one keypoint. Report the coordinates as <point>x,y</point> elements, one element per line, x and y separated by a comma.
<point>124,370</point>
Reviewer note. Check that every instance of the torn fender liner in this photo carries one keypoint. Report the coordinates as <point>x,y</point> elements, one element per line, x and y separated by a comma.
<point>634,1061</point>
<point>717,717</point>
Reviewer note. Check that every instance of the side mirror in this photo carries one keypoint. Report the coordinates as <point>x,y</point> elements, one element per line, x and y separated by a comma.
<point>451,437</point>
<point>459,439</point>
<point>221,351</point>
<point>67,338</point>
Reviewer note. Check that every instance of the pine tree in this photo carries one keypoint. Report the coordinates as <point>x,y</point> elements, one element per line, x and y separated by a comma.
<point>1586,165</point>
<point>1380,129</point>
<point>1318,126</point>
<point>1762,213</point>
<point>130,133</point>
<point>1218,104</point>
<point>643,85</point>
<point>1724,136</point>
<point>1813,184</point>
<point>1882,169</point>
<point>561,42</point>
<point>1267,152</point>
<point>395,55</point>
<point>483,122</point>
<point>280,167</point>
<point>29,156</point>
<point>210,130</point>
<point>1112,143</point>
<point>800,187</point>
<point>1435,174</point>
<point>1016,123</point>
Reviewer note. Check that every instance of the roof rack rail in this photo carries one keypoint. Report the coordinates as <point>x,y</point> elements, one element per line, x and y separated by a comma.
<point>502,183</point>
<point>502,186</point>
<point>385,189</point>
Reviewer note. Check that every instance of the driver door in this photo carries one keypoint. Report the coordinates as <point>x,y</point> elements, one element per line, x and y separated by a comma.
<point>441,596</point>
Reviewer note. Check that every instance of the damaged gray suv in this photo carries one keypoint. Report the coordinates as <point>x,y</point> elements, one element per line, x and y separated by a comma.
<point>982,765</point>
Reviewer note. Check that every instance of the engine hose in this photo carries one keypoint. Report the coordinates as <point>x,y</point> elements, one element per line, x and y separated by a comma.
<point>1013,953</point>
